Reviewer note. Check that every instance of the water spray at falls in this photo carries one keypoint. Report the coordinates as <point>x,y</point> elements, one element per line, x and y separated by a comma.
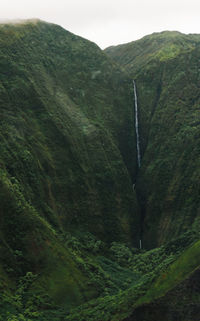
<point>137,126</point>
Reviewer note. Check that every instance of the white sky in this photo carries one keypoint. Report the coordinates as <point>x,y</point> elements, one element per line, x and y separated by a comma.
<point>109,22</point>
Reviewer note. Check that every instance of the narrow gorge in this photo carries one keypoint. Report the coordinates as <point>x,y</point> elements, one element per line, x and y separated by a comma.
<point>99,177</point>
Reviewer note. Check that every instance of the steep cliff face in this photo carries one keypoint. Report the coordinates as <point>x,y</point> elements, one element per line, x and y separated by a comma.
<point>65,114</point>
<point>70,221</point>
<point>166,69</point>
<point>66,154</point>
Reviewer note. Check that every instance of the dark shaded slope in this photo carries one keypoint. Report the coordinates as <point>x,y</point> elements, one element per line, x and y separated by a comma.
<point>175,305</point>
<point>170,174</point>
<point>166,67</point>
<point>175,294</point>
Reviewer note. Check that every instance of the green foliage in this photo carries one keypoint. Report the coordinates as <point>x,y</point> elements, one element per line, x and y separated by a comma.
<point>69,218</point>
<point>22,305</point>
<point>165,66</point>
<point>61,138</point>
<point>84,241</point>
<point>121,253</point>
<point>177,272</point>
<point>66,143</point>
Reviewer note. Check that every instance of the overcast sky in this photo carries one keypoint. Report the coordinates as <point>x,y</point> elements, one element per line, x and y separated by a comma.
<point>109,22</point>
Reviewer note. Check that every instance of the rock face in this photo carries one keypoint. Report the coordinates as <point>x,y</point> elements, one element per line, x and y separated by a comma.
<point>165,67</point>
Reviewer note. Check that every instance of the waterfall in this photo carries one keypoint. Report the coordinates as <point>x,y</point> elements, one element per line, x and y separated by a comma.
<point>136,126</point>
<point>138,142</point>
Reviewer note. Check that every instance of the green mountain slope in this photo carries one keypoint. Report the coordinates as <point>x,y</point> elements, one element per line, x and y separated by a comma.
<point>157,46</point>
<point>67,153</point>
<point>175,294</point>
<point>71,220</point>
<point>61,99</point>
<point>167,290</point>
<point>166,69</point>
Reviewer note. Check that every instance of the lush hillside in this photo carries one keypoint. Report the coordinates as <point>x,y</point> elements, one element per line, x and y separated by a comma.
<point>167,288</point>
<point>155,47</point>
<point>175,293</point>
<point>67,154</point>
<point>166,69</point>
<point>63,141</point>
<point>70,218</point>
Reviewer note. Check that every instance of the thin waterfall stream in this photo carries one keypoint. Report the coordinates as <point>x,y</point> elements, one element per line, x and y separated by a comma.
<point>137,140</point>
<point>137,126</point>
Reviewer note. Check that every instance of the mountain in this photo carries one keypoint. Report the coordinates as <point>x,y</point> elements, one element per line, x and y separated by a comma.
<point>165,67</point>
<point>67,156</point>
<point>87,234</point>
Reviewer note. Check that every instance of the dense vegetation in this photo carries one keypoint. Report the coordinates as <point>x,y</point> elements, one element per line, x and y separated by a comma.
<point>66,157</point>
<point>165,67</point>
<point>70,218</point>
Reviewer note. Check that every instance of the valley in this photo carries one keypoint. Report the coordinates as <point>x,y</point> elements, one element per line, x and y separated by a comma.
<point>99,176</point>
